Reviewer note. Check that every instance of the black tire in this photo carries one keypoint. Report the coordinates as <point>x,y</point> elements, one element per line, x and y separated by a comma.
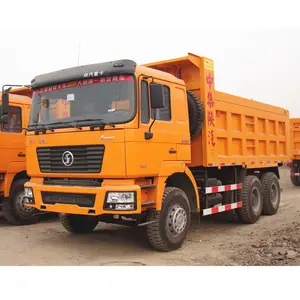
<point>196,114</point>
<point>160,232</point>
<point>271,193</point>
<point>13,208</point>
<point>251,188</point>
<point>295,179</point>
<point>78,223</point>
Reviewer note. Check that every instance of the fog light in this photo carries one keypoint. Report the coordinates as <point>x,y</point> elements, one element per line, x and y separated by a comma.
<point>28,193</point>
<point>124,207</point>
<point>120,197</point>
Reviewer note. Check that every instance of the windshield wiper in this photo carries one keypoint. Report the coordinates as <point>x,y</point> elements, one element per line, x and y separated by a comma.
<point>92,123</point>
<point>41,128</point>
<point>100,123</point>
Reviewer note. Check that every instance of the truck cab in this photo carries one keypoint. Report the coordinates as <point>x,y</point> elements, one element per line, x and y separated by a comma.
<point>13,173</point>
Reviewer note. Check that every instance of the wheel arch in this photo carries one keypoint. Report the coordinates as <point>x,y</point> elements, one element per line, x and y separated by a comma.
<point>186,182</point>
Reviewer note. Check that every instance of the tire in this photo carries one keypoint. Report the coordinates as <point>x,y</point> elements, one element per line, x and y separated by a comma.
<point>250,213</point>
<point>78,223</point>
<point>13,208</point>
<point>271,193</point>
<point>162,234</point>
<point>295,179</point>
<point>196,114</point>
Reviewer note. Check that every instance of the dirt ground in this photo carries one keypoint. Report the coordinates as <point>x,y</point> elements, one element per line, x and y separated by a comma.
<point>272,240</point>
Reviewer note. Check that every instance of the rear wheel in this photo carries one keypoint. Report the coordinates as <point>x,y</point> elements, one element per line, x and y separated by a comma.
<point>252,201</point>
<point>295,179</point>
<point>14,210</point>
<point>270,193</point>
<point>78,223</point>
<point>171,224</point>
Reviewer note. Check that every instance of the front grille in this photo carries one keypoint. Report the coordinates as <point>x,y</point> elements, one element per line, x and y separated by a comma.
<point>82,200</point>
<point>89,182</point>
<point>87,159</point>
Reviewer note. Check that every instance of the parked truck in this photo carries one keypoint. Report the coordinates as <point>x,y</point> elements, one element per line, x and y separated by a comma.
<point>13,173</point>
<point>295,163</point>
<point>148,145</point>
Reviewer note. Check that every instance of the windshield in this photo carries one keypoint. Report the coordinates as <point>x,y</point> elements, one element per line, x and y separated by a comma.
<point>107,99</point>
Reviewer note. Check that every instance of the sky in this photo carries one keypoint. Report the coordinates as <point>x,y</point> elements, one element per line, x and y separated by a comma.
<point>262,63</point>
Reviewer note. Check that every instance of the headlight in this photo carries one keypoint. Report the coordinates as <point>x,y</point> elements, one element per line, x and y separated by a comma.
<point>118,197</point>
<point>28,193</point>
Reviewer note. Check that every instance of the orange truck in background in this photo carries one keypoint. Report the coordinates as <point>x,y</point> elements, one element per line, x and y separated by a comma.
<point>148,145</point>
<point>295,140</point>
<point>13,173</point>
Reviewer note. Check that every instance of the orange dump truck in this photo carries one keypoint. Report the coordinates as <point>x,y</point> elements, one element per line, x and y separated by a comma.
<point>150,145</point>
<point>13,173</point>
<point>295,140</point>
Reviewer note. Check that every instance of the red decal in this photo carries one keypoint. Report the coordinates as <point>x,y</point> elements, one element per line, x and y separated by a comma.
<point>211,138</point>
<point>210,119</point>
<point>239,186</point>
<point>214,210</point>
<point>214,189</point>
<point>239,204</point>
<point>84,82</point>
<point>209,80</point>
<point>210,101</point>
<point>227,207</point>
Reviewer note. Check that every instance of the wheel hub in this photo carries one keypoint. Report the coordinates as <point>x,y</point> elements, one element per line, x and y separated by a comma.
<point>274,194</point>
<point>176,220</point>
<point>20,207</point>
<point>255,200</point>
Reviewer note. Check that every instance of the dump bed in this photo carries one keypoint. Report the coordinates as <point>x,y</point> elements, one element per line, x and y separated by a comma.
<point>236,131</point>
<point>295,138</point>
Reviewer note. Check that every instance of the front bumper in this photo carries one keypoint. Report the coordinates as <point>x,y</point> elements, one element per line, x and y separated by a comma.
<point>95,197</point>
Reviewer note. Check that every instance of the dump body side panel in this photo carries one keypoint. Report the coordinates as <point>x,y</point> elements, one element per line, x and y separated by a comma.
<point>250,133</point>
<point>295,138</point>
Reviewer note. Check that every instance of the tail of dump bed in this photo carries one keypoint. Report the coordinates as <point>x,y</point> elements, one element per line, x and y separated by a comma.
<point>295,144</point>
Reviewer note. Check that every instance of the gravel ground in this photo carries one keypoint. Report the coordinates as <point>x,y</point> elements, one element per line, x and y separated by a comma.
<point>273,240</point>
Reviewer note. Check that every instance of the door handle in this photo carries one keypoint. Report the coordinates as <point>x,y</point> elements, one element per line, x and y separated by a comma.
<point>20,154</point>
<point>172,151</point>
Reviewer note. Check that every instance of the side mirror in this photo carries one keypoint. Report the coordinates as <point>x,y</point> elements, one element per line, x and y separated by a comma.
<point>157,96</point>
<point>4,108</point>
<point>4,119</point>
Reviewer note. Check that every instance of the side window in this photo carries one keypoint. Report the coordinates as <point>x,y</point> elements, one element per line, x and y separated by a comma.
<point>164,114</point>
<point>14,120</point>
<point>145,115</point>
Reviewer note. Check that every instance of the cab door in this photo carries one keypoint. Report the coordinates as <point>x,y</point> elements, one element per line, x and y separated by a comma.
<point>144,157</point>
<point>12,138</point>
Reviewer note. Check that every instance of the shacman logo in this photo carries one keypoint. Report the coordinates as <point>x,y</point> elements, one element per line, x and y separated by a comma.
<point>107,138</point>
<point>67,158</point>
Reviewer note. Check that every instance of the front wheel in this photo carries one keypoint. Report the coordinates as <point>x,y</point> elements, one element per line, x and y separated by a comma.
<point>14,210</point>
<point>171,224</point>
<point>78,223</point>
